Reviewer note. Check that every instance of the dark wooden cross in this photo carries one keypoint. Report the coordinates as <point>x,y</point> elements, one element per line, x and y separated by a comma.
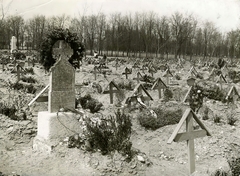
<point>144,67</point>
<point>139,75</point>
<point>111,85</point>
<point>127,71</point>
<point>19,71</point>
<point>151,70</point>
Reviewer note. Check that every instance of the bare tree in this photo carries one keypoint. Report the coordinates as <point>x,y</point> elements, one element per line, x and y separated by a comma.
<point>101,26</point>
<point>163,34</point>
<point>181,28</point>
<point>35,30</point>
<point>15,26</point>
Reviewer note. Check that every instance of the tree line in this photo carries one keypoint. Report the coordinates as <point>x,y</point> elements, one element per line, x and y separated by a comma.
<point>129,34</point>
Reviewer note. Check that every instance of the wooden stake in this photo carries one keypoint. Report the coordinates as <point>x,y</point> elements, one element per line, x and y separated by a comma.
<point>190,145</point>
<point>111,93</point>
<point>95,73</point>
<point>18,72</point>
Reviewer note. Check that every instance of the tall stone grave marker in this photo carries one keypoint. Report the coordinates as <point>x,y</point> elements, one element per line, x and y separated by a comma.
<point>54,124</point>
<point>62,86</point>
<point>13,43</point>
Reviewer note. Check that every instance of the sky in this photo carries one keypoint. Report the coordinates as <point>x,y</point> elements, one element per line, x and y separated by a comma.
<point>224,13</point>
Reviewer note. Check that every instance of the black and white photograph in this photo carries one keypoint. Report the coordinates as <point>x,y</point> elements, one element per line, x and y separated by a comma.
<point>119,87</point>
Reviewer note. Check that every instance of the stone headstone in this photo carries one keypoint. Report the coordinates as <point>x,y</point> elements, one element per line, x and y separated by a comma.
<point>13,43</point>
<point>62,86</point>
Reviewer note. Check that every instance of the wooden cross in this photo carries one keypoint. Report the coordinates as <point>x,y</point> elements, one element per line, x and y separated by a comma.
<point>117,63</point>
<point>111,85</point>
<point>168,74</point>
<point>19,71</point>
<point>187,94</point>
<point>139,75</point>
<point>135,65</point>
<point>144,67</point>
<point>151,70</point>
<point>95,71</point>
<point>163,68</point>
<point>138,90</point>
<point>160,85</point>
<point>189,135</point>
<point>3,64</point>
<point>233,91</point>
<point>221,80</point>
<point>127,71</point>
<point>193,71</point>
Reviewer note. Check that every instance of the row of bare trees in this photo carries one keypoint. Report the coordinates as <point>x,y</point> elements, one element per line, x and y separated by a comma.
<point>129,34</point>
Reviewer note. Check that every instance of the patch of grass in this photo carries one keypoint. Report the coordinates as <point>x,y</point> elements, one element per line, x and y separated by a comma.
<point>164,117</point>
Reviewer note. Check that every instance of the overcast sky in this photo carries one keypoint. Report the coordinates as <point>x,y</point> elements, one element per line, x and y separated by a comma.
<point>224,13</point>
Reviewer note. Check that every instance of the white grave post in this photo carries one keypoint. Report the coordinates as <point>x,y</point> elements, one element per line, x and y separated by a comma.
<point>57,124</point>
<point>13,43</point>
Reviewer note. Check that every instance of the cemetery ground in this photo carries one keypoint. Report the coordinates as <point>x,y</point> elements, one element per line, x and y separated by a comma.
<point>154,156</point>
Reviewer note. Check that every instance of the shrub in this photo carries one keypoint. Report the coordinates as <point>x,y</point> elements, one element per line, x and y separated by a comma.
<point>177,77</point>
<point>125,84</point>
<point>87,102</point>
<point>231,119</point>
<point>232,74</point>
<point>205,113</point>
<point>28,88</point>
<point>147,79</point>
<point>83,101</point>
<point>211,92</point>
<point>29,70</point>
<point>111,134</point>
<point>29,79</point>
<point>195,99</point>
<point>10,111</point>
<point>216,118</point>
<point>199,76</point>
<point>18,55</point>
<point>98,87</point>
<point>93,105</point>
<point>234,164</point>
<point>220,172</point>
<point>164,117</point>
